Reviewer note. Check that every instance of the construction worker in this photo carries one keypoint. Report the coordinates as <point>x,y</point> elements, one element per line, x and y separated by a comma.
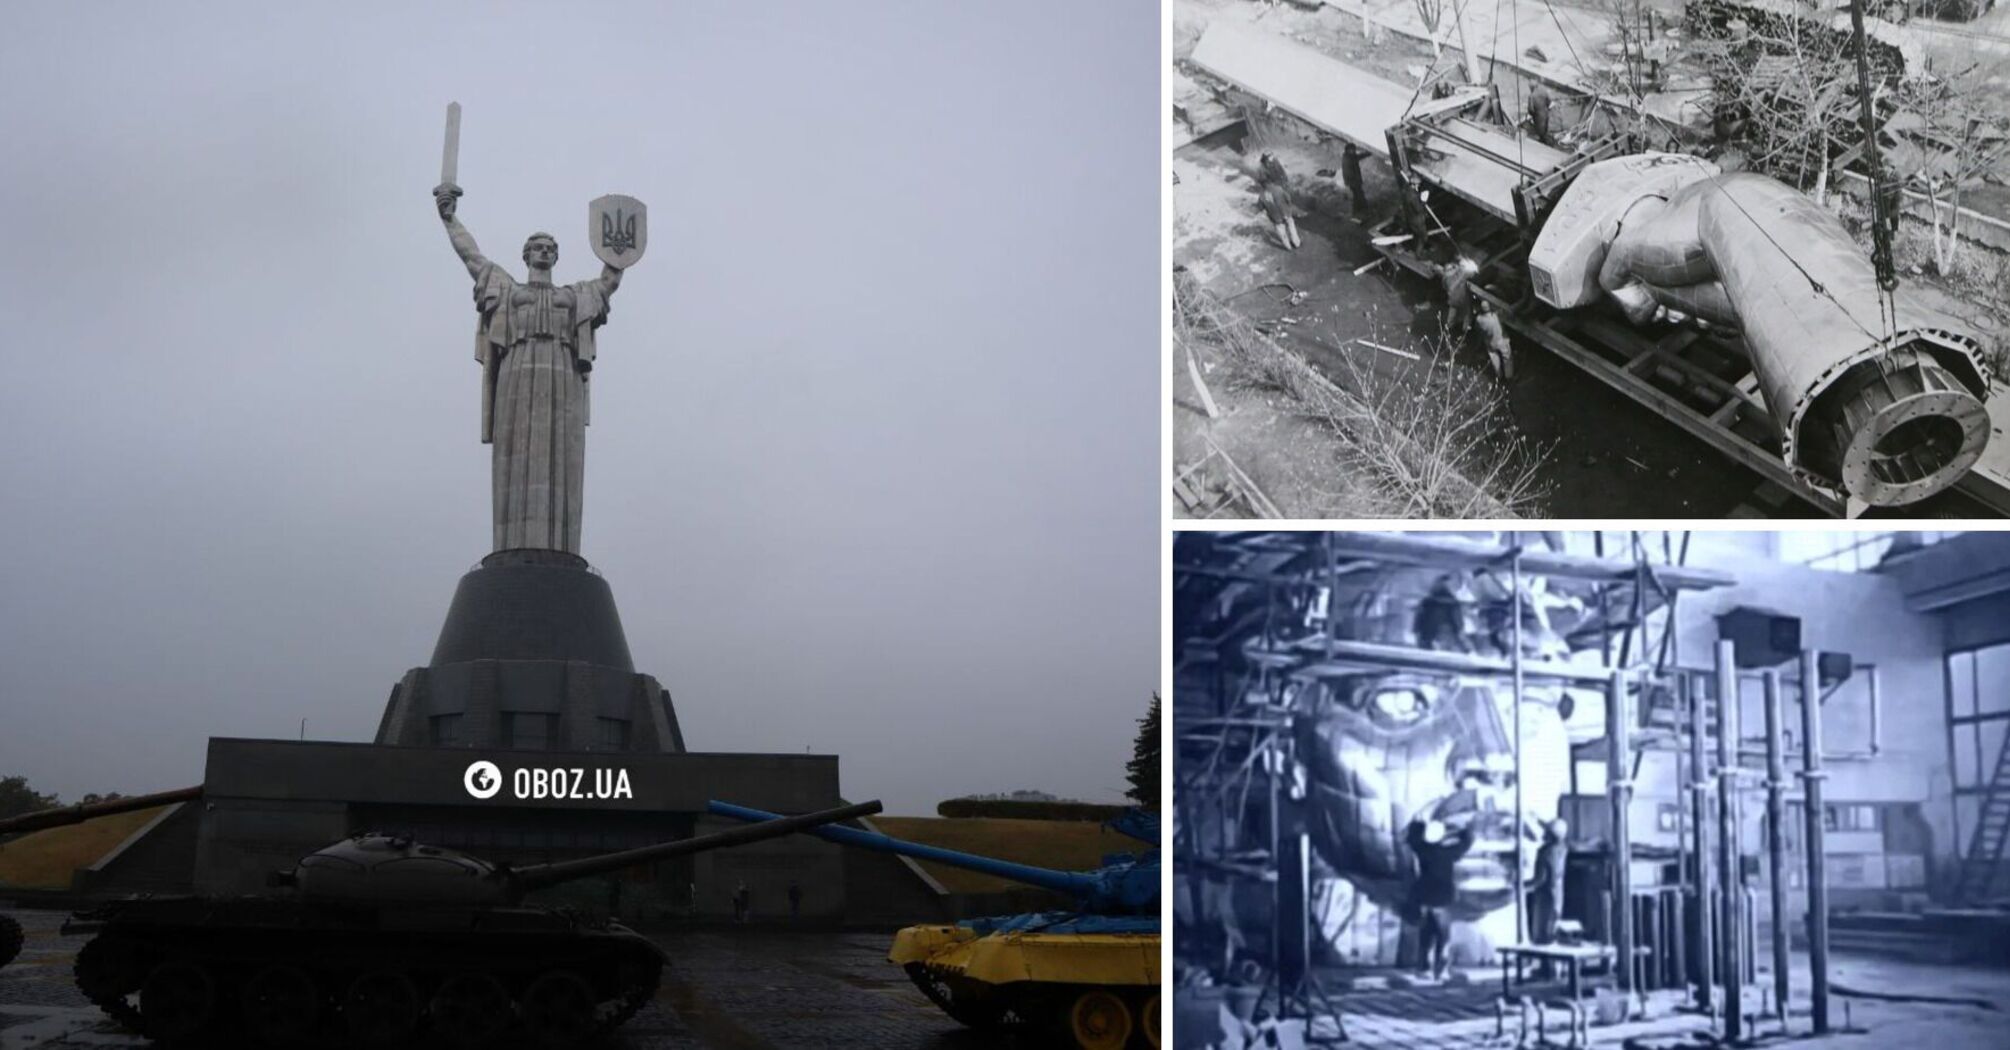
<point>1500,353</point>
<point>1270,171</point>
<point>1456,273</point>
<point>1440,623</point>
<point>1350,174</point>
<point>1411,200</point>
<point>1277,207</point>
<point>1438,847</point>
<point>1538,115</point>
<point>1545,891</point>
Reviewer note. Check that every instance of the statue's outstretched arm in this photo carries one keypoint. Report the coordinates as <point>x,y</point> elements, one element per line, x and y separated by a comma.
<point>463,241</point>
<point>610,277</point>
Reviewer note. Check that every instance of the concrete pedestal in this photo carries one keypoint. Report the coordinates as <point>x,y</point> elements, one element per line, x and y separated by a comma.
<point>532,657</point>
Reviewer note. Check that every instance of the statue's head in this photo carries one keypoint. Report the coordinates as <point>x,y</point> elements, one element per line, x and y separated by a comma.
<point>1382,750</point>
<point>540,251</point>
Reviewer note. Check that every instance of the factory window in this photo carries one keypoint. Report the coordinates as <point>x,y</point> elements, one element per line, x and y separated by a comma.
<point>1850,551</point>
<point>528,731</point>
<point>1847,817</point>
<point>446,730</point>
<point>613,734</point>
<point>1978,713</point>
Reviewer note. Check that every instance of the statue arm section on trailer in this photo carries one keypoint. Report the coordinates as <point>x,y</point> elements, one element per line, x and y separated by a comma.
<point>1887,409</point>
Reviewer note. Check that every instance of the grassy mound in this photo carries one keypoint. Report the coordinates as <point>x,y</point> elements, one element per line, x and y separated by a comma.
<point>43,860</point>
<point>1063,844</point>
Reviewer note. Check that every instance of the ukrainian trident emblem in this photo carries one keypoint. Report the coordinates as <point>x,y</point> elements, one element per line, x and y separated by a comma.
<point>618,229</point>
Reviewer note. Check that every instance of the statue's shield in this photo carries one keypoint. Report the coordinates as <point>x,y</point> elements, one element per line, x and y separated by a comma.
<point>618,229</point>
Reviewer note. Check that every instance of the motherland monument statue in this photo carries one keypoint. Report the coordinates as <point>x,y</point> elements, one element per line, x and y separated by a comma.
<point>532,655</point>
<point>535,343</point>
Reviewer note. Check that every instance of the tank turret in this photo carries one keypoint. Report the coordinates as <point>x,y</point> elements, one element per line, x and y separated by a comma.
<point>1087,978</point>
<point>1124,885</point>
<point>11,936</point>
<point>379,940</point>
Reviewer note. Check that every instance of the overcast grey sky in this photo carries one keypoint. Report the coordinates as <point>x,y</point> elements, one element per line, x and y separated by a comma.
<point>873,467</point>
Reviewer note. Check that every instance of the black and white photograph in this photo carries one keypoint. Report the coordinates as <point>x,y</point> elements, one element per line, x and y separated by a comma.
<point>1627,259</point>
<point>1590,788</point>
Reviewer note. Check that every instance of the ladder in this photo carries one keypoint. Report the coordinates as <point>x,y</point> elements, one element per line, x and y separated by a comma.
<point>1979,866</point>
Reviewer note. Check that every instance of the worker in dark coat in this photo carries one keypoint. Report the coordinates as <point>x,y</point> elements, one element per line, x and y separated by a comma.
<point>1350,174</point>
<point>1440,623</point>
<point>1270,171</point>
<point>1277,208</point>
<point>1545,891</point>
<point>1538,115</point>
<point>1438,847</point>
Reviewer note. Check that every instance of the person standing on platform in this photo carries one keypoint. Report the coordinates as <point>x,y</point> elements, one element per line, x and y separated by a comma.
<point>1438,847</point>
<point>1545,891</point>
<point>1538,115</point>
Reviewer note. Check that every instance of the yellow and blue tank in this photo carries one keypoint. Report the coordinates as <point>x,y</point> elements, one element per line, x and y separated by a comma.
<point>1088,975</point>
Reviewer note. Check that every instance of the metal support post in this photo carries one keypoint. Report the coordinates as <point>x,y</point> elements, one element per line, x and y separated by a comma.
<point>1876,715</point>
<point>1520,864</point>
<point>1699,786</point>
<point>1731,954</point>
<point>1618,771</point>
<point>1818,891</point>
<point>1776,838</point>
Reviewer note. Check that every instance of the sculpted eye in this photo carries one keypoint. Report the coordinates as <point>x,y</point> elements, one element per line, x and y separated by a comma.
<point>1399,706</point>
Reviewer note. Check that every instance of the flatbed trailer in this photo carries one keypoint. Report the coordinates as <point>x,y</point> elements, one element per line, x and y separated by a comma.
<point>1503,182</point>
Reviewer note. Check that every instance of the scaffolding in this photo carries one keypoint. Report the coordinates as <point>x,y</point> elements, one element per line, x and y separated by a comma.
<point>1260,613</point>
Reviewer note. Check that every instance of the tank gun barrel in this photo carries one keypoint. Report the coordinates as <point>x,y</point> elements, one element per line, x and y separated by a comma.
<point>77,814</point>
<point>771,826</point>
<point>1070,882</point>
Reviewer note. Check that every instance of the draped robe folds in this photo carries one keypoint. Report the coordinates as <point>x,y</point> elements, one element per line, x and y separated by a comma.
<point>535,343</point>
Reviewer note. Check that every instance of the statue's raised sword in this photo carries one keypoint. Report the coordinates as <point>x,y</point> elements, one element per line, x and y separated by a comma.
<point>450,154</point>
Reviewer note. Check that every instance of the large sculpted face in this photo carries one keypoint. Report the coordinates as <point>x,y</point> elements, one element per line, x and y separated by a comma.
<point>1382,750</point>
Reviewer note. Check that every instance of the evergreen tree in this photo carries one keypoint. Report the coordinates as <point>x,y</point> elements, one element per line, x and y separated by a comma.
<point>16,797</point>
<point>1143,768</point>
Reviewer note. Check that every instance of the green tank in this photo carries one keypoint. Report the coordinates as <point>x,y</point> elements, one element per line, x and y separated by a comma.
<point>381,941</point>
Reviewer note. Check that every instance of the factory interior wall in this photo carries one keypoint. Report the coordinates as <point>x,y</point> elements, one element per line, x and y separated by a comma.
<point>1864,615</point>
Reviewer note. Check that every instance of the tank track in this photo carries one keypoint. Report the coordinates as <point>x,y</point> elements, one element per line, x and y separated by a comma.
<point>187,988</point>
<point>1035,1009</point>
<point>11,939</point>
<point>640,989</point>
<point>967,1002</point>
<point>103,973</point>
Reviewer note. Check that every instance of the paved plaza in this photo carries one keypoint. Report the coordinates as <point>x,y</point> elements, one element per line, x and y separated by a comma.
<point>725,989</point>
